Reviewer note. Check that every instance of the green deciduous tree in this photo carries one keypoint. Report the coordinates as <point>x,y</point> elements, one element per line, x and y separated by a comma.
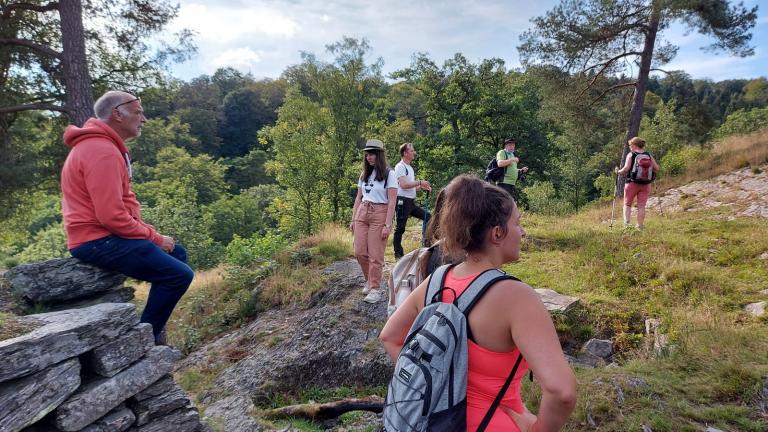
<point>471,109</point>
<point>345,88</point>
<point>743,122</point>
<point>205,176</point>
<point>158,134</point>
<point>244,214</point>
<point>302,165</point>
<point>664,132</point>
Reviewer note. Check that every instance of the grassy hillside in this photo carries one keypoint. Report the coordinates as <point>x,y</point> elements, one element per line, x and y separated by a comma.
<point>694,271</point>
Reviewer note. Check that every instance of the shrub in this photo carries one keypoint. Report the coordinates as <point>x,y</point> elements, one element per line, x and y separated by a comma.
<point>48,243</point>
<point>676,162</point>
<point>543,199</point>
<point>245,252</point>
<point>742,122</point>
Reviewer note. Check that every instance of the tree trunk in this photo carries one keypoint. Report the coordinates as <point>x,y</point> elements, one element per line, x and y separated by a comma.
<point>638,100</point>
<point>77,80</point>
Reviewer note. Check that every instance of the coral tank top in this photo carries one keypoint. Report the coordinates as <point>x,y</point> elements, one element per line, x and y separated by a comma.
<point>488,370</point>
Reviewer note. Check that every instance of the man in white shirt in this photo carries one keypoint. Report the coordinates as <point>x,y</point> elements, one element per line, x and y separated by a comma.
<point>407,185</point>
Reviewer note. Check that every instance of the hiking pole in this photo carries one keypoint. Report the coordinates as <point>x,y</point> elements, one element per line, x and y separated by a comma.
<point>615,192</point>
<point>424,221</point>
<point>661,207</point>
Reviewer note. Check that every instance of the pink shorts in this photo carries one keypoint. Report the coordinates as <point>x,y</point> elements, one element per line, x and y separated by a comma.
<point>641,191</point>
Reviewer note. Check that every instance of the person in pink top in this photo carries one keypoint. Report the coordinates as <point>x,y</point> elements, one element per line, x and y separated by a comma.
<point>636,188</point>
<point>480,227</point>
<point>102,217</point>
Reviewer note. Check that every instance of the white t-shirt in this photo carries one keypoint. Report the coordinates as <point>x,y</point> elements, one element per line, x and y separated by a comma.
<point>374,191</point>
<point>402,169</point>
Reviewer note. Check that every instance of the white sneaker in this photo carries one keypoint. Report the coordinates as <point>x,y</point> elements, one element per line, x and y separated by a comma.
<point>366,290</point>
<point>373,297</point>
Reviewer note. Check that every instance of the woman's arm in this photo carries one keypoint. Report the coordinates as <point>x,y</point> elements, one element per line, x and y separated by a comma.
<point>393,334</point>
<point>391,200</point>
<point>535,336</point>
<point>627,165</point>
<point>358,199</point>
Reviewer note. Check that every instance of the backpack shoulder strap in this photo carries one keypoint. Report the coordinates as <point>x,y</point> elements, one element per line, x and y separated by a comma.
<point>478,287</point>
<point>436,282</point>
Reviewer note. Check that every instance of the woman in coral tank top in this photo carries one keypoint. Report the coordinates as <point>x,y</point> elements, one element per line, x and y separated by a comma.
<point>480,226</point>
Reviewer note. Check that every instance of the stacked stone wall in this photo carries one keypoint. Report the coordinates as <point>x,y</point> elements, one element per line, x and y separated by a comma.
<point>93,369</point>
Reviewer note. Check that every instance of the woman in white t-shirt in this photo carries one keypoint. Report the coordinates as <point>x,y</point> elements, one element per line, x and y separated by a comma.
<point>372,216</point>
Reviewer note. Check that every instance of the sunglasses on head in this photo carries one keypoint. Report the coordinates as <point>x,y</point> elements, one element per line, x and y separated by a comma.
<point>127,102</point>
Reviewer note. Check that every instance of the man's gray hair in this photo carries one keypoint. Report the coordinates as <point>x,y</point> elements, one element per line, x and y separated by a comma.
<point>104,105</point>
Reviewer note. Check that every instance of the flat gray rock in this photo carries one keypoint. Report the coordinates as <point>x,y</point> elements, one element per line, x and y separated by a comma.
<point>64,335</point>
<point>155,407</point>
<point>555,302</point>
<point>181,420</point>
<point>95,399</point>
<point>108,359</point>
<point>60,279</point>
<point>756,309</point>
<point>116,295</point>
<point>117,420</point>
<point>234,413</point>
<point>25,401</point>
<point>163,385</point>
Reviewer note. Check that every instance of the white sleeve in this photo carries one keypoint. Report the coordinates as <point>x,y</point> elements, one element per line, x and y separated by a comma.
<point>391,180</point>
<point>400,170</point>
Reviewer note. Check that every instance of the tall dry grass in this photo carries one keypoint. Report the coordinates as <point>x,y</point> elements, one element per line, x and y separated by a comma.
<point>729,154</point>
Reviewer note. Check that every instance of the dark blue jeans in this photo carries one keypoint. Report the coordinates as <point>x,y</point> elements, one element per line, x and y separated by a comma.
<point>143,260</point>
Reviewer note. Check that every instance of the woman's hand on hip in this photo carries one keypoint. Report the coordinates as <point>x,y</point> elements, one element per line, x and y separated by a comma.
<point>523,421</point>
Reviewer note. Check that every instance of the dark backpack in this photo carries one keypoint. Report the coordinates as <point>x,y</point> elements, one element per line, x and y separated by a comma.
<point>642,168</point>
<point>493,172</point>
<point>428,391</point>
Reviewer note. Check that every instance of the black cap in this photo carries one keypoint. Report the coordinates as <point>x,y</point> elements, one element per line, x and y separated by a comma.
<point>510,140</point>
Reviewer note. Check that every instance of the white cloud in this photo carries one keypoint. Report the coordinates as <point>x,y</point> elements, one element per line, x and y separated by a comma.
<point>228,24</point>
<point>266,36</point>
<point>243,59</point>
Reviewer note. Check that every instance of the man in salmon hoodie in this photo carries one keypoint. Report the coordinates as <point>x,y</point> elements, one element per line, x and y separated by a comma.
<point>102,217</point>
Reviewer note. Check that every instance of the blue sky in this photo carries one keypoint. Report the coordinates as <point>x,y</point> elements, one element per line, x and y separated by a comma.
<point>263,37</point>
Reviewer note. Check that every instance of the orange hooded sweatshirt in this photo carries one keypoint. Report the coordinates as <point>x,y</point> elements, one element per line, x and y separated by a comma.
<point>97,200</point>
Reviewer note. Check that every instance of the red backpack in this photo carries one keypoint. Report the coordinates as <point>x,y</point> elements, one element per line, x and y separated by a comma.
<point>642,168</point>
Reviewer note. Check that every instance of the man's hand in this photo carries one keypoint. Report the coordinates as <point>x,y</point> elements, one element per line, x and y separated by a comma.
<point>523,421</point>
<point>524,169</point>
<point>425,185</point>
<point>168,244</point>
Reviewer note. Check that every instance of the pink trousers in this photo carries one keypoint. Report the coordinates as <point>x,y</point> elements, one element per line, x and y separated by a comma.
<point>369,246</point>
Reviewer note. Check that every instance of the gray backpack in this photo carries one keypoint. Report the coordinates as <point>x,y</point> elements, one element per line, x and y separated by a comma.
<point>428,390</point>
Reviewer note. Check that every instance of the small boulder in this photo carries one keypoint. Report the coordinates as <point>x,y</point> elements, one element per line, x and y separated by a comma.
<point>756,309</point>
<point>601,348</point>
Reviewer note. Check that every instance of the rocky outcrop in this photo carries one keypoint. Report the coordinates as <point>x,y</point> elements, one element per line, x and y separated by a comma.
<point>65,283</point>
<point>555,302</point>
<point>745,191</point>
<point>93,369</point>
<point>333,343</point>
